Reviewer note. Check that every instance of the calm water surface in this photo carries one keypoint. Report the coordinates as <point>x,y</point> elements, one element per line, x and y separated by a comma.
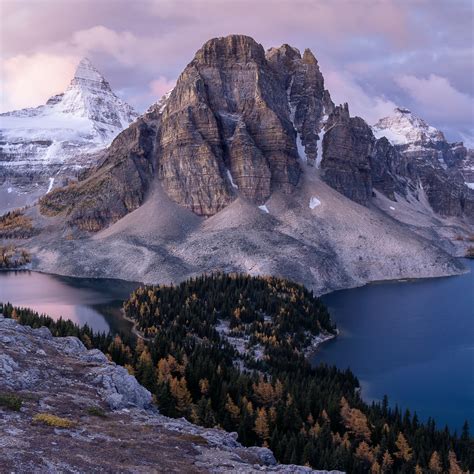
<point>96,302</point>
<point>413,341</point>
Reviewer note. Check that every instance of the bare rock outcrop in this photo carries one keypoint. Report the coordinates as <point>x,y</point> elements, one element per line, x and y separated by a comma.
<point>310,103</point>
<point>227,113</point>
<point>224,131</point>
<point>347,147</point>
<point>108,423</point>
<point>425,162</point>
<point>117,186</point>
<point>416,161</point>
<point>239,123</point>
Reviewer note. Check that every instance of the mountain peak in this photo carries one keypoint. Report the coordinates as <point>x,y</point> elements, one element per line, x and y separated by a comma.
<point>404,127</point>
<point>236,48</point>
<point>87,75</point>
<point>402,110</point>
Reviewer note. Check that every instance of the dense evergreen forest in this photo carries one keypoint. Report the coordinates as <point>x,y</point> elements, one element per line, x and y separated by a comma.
<point>229,351</point>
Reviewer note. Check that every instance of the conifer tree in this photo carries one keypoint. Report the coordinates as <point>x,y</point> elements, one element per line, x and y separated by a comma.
<point>404,453</point>
<point>454,467</point>
<point>435,463</point>
<point>261,425</point>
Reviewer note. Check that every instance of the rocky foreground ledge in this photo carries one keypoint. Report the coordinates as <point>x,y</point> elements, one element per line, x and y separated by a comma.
<point>81,413</point>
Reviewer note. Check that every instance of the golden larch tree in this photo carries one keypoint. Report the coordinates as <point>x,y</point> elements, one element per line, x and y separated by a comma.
<point>405,453</point>
<point>435,462</point>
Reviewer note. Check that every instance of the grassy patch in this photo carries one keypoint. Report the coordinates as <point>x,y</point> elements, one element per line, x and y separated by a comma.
<point>53,420</point>
<point>196,439</point>
<point>15,225</point>
<point>96,411</point>
<point>10,401</point>
<point>13,257</point>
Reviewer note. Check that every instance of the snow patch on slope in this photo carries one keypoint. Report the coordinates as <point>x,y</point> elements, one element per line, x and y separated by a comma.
<point>86,117</point>
<point>50,186</point>
<point>60,137</point>
<point>229,175</point>
<point>301,148</point>
<point>314,202</point>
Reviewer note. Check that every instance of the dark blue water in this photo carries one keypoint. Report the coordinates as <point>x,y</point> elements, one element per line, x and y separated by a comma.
<point>83,300</point>
<point>413,341</point>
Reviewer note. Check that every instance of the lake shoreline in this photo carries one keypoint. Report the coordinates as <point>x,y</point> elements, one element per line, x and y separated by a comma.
<point>412,340</point>
<point>317,294</point>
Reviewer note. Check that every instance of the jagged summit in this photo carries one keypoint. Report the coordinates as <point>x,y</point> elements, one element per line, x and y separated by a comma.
<point>240,48</point>
<point>90,95</point>
<point>404,127</point>
<point>215,176</point>
<point>88,76</point>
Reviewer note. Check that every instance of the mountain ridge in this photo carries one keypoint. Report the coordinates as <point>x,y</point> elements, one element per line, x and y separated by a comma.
<point>46,146</point>
<point>248,166</point>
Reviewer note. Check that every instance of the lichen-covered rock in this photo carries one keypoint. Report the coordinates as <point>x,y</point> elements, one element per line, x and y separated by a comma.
<point>120,389</point>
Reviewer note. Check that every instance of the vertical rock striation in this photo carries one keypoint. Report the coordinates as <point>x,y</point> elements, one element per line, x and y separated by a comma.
<point>228,112</point>
<point>309,101</point>
<point>348,144</point>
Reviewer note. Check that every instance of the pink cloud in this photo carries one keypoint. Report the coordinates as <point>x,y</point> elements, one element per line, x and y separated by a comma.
<point>161,86</point>
<point>344,88</point>
<point>438,98</point>
<point>29,81</point>
<point>123,46</point>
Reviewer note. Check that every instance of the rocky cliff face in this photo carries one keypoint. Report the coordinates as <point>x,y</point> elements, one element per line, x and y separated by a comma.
<point>428,162</point>
<point>236,124</point>
<point>226,129</point>
<point>231,143</point>
<point>43,147</point>
<point>115,187</point>
<point>108,422</point>
<point>400,156</point>
<point>347,147</point>
<point>240,122</point>
<point>309,102</point>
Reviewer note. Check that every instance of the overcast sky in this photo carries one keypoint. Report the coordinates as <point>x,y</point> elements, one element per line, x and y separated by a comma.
<point>374,54</point>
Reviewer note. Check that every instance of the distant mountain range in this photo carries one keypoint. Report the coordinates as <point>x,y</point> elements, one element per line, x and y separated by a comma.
<point>248,165</point>
<point>40,148</point>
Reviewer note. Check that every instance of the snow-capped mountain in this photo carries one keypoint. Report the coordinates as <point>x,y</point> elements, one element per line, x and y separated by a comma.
<point>416,139</point>
<point>404,127</point>
<point>40,147</point>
